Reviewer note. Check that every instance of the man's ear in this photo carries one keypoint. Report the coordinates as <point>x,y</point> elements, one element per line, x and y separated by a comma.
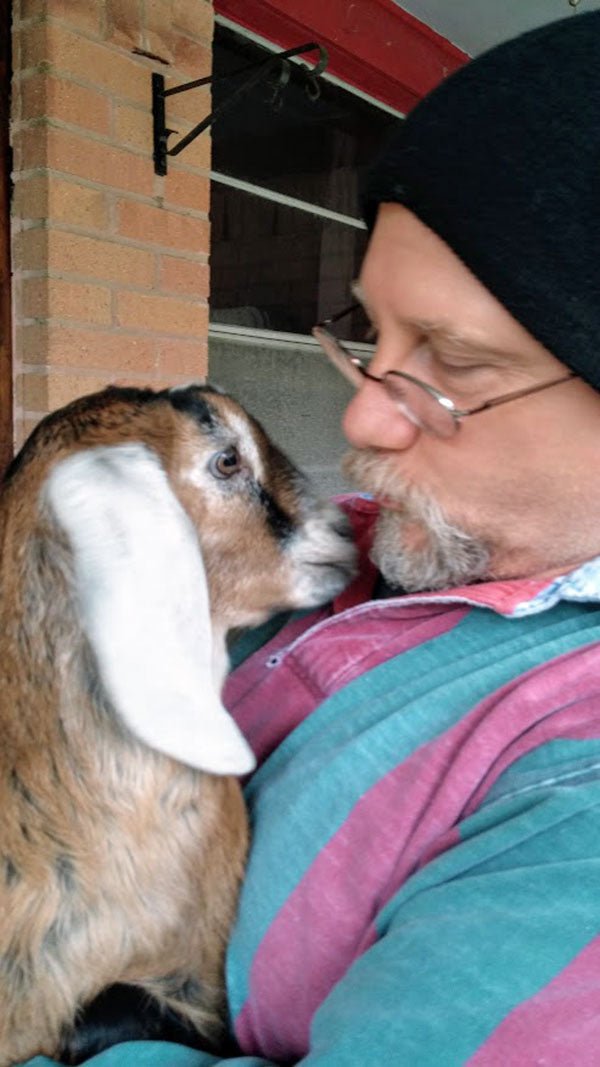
<point>143,597</point>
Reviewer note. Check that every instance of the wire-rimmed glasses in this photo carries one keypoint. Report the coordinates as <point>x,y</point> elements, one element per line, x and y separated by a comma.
<point>421,403</point>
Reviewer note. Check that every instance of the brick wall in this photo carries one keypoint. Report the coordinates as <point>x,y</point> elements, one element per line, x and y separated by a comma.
<point>110,262</point>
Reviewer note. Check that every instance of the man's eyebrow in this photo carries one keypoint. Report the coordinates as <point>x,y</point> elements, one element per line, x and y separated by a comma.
<point>438,331</point>
<point>449,335</point>
<point>463,343</point>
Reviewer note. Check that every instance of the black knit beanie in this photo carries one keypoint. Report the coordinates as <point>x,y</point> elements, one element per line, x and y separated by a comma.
<point>502,161</point>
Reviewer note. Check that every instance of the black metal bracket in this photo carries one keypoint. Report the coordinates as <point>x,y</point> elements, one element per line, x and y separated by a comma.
<point>159,95</point>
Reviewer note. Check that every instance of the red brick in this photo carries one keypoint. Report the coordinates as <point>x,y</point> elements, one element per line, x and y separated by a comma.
<point>85,15</point>
<point>43,196</point>
<point>54,98</point>
<point>77,205</point>
<point>183,189</point>
<point>163,314</point>
<point>34,48</point>
<point>124,22</point>
<point>191,57</point>
<point>30,146</point>
<point>159,226</point>
<point>194,17</point>
<point>94,63</point>
<point>133,127</point>
<point>47,391</point>
<point>183,358</point>
<point>56,298</point>
<point>96,259</point>
<point>76,347</point>
<point>30,249</point>
<point>158,30</point>
<point>98,162</point>
<point>184,276</point>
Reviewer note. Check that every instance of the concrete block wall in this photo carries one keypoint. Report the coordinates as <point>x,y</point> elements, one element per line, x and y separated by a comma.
<point>110,262</point>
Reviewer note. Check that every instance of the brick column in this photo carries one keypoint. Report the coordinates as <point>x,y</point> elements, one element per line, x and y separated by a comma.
<point>110,261</point>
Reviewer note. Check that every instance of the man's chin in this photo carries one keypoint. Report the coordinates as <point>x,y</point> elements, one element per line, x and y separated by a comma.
<point>416,557</point>
<point>416,546</point>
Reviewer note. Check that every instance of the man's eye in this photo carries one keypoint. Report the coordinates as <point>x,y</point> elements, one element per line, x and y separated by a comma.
<point>457,368</point>
<point>225,464</point>
<point>452,364</point>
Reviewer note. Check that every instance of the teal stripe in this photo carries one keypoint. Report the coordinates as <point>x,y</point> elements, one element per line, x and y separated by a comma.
<point>155,1054</point>
<point>475,933</point>
<point>561,760</point>
<point>141,1054</point>
<point>307,788</point>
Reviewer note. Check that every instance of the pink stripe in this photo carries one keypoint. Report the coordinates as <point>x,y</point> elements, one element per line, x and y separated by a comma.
<point>401,822</point>
<point>268,704</point>
<point>559,1025</point>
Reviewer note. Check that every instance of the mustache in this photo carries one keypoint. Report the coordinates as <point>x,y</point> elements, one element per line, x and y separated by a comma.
<point>448,556</point>
<point>376,474</point>
<point>373,473</point>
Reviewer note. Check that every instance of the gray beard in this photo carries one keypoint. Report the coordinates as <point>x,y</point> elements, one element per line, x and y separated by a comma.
<point>446,556</point>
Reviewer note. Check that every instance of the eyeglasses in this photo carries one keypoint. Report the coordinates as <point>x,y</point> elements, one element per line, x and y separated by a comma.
<point>421,403</point>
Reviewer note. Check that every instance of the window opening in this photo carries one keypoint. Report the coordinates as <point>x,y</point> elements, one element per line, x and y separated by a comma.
<point>287,235</point>
<point>287,240</point>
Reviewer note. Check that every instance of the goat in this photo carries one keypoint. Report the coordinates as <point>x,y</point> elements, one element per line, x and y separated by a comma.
<point>137,528</point>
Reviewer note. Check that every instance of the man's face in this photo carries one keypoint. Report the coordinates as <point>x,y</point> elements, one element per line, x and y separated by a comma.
<point>506,495</point>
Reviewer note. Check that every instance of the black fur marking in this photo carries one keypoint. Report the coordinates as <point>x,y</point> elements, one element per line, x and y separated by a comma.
<point>15,973</point>
<point>12,875</point>
<point>191,402</point>
<point>126,1013</point>
<point>280,524</point>
<point>178,988</point>
<point>64,866</point>
<point>19,787</point>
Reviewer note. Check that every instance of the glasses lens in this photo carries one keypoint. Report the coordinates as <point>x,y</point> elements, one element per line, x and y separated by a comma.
<point>419,405</point>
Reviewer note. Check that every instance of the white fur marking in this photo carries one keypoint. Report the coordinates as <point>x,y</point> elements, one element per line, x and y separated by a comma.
<point>246,444</point>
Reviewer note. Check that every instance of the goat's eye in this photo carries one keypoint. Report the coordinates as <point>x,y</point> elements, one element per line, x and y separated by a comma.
<point>224,464</point>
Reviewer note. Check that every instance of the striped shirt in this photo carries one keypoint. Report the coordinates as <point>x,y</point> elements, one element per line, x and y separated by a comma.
<point>423,886</point>
<point>424,882</point>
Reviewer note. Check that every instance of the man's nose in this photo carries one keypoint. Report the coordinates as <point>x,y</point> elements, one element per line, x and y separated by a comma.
<point>373,420</point>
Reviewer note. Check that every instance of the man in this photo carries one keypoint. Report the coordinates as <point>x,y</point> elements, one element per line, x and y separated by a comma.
<point>424,880</point>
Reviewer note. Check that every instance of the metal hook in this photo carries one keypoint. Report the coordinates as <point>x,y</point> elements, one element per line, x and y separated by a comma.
<point>276,100</point>
<point>312,88</point>
<point>259,70</point>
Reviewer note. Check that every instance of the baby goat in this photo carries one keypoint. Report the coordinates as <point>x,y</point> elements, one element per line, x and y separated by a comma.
<point>136,529</point>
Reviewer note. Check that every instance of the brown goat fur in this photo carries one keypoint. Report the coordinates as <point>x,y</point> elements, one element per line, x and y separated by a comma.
<point>117,861</point>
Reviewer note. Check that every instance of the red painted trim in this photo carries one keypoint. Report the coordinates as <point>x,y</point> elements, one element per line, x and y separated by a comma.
<point>373,44</point>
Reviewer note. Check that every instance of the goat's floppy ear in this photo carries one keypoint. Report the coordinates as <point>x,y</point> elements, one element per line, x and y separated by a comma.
<point>144,602</point>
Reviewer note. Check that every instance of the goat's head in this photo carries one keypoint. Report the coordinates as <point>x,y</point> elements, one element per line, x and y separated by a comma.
<point>182,521</point>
